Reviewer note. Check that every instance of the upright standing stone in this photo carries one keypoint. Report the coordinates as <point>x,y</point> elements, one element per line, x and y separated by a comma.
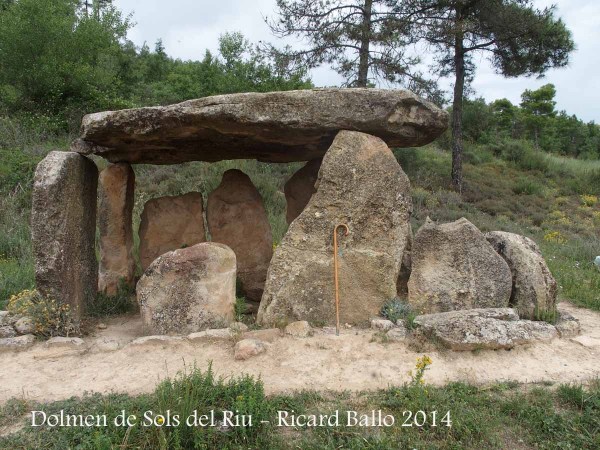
<point>115,211</point>
<point>361,184</point>
<point>454,267</point>
<point>169,223</point>
<point>188,290</point>
<point>300,188</point>
<point>63,229</point>
<point>237,218</point>
<point>534,288</point>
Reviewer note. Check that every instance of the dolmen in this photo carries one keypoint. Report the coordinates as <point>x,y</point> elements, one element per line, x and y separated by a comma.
<point>199,250</point>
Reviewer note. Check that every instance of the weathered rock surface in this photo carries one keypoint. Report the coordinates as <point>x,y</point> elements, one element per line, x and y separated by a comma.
<point>63,228</point>
<point>189,289</point>
<point>300,328</point>
<point>16,343</point>
<point>115,210</point>
<point>4,318</point>
<point>25,325</point>
<point>275,126</point>
<point>397,334</point>
<point>267,334</point>
<point>6,331</point>
<point>169,223</point>
<point>150,341</point>
<point>237,218</point>
<point>70,343</point>
<point>105,344</point>
<point>567,325</point>
<point>534,288</point>
<point>299,189</point>
<point>479,329</point>
<point>360,184</point>
<point>454,267</point>
<point>247,348</point>
<point>219,334</point>
<point>382,324</point>
<point>238,327</point>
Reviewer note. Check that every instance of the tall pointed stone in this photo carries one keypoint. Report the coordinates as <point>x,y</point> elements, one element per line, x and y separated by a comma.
<point>237,218</point>
<point>300,188</point>
<point>169,223</point>
<point>115,211</point>
<point>362,185</point>
<point>63,229</point>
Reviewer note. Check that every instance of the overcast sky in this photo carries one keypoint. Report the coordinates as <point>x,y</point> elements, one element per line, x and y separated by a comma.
<point>189,27</point>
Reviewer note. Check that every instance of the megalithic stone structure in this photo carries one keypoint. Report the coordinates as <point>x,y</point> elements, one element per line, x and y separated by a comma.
<point>63,227</point>
<point>237,218</point>
<point>362,185</point>
<point>168,223</point>
<point>115,212</point>
<point>300,188</point>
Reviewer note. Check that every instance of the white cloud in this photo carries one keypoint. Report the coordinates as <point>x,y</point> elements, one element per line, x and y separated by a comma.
<point>189,27</point>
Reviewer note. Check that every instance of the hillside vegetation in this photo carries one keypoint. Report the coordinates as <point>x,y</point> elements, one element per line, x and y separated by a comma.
<point>552,199</point>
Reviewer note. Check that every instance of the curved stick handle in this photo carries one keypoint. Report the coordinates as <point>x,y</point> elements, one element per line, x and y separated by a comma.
<point>335,274</point>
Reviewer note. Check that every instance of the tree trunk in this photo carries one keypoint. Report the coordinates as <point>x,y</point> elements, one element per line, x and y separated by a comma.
<point>363,54</point>
<point>457,106</point>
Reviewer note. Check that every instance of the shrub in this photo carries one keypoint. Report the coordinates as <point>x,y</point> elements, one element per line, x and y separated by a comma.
<point>555,236</point>
<point>478,155</point>
<point>419,197</point>
<point>49,317</point>
<point>589,200</point>
<point>201,391</point>
<point>521,154</point>
<point>396,309</point>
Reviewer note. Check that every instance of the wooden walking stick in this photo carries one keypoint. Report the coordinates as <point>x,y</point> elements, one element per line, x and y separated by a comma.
<point>335,274</point>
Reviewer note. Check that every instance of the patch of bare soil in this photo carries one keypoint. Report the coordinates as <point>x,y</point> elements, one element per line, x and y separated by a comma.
<point>324,361</point>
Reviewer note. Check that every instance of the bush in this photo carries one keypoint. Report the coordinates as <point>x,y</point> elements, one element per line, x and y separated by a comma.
<point>521,154</point>
<point>203,392</point>
<point>396,309</point>
<point>50,317</point>
<point>477,155</point>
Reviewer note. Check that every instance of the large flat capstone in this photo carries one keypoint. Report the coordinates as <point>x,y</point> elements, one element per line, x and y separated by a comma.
<point>275,126</point>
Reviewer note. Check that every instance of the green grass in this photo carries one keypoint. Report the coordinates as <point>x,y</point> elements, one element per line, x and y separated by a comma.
<point>507,415</point>
<point>110,305</point>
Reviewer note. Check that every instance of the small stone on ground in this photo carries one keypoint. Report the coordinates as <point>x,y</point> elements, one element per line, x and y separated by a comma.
<point>382,324</point>
<point>299,329</point>
<point>247,348</point>
<point>396,334</point>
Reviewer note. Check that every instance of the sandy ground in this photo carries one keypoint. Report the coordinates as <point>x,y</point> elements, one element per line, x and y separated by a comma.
<point>324,361</point>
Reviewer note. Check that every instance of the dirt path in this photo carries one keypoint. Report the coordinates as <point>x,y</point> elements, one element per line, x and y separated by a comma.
<point>324,361</point>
